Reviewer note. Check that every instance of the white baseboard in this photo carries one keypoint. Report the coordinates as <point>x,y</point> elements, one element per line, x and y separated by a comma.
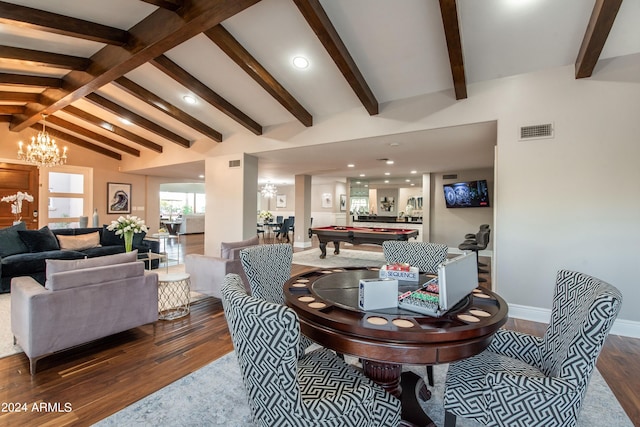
<point>302,245</point>
<point>626,328</point>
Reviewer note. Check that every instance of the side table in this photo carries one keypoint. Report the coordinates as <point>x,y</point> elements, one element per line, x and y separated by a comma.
<point>174,295</point>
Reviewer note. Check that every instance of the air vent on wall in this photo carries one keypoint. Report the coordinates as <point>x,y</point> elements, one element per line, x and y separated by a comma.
<point>234,163</point>
<point>536,132</point>
<point>451,176</point>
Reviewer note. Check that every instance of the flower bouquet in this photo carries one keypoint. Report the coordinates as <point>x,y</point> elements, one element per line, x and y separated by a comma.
<point>16,203</point>
<point>127,227</point>
<point>266,216</point>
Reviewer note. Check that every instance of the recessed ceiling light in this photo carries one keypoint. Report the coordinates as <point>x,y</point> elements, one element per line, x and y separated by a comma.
<point>189,99</point>
<point>394,144</point>
<point>362,174</point>
<point>351,165</point>
<point>386,181</point>
<point>414,171</point>
<point>407,180</point>
<point>387,173</point>
<point>200,176</point>
<point>300,62</point>
<point>389,162</point>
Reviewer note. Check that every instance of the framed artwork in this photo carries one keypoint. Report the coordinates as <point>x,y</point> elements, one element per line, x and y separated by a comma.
<point>343,202</point>
<point>118,198</point>
<point>281,201</point>
<point>327,200</point>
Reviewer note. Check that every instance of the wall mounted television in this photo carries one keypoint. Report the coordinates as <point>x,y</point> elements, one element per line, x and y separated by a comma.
<point>468,194</point>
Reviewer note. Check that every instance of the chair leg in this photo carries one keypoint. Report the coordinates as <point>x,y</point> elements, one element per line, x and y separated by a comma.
<point>449,419</point>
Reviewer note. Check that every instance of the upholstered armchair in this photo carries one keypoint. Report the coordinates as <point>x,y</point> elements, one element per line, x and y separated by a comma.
<point>425,256</point>
<point>267,268</point>
<point>207,272</point>
<point>283,390</point>
<point>522,380</point>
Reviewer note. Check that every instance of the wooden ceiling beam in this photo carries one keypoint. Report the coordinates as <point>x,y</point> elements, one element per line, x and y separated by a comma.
<point>45,59</point>
<point>12,109</point>
<point>449,13</point>
<point>136,119</point>
<point>602,18</point>
<point>325,31</point>
<point>97,121</point>
<point>160,104</point>
<point>180,75</point>
<point>160,31</point>
<point>234,50</point>
<point>57,134</point>
<point>19,96</point>
<point>31,81</point>
<point>27,17</point>
<point>57,121</point>
<point>172,5</point>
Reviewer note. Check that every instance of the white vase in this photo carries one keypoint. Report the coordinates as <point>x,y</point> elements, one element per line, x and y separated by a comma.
<point>96,218</point>
<point>16,222</point>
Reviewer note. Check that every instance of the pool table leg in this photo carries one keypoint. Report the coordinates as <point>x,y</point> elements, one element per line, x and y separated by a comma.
<point>323,250</point>
<point>336,248</point>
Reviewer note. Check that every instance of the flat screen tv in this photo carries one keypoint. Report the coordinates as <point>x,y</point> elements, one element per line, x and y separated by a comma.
<point>469,194</point>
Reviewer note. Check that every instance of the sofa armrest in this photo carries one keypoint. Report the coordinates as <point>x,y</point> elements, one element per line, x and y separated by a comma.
<point>208,272</point>
<point>24,289</point>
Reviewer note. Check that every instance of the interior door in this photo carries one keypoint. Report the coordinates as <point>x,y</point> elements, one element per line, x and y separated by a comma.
<point>14,178</point>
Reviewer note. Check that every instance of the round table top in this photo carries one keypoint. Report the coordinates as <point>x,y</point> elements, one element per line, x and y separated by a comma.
<point>173,277</point>
<point>326,301</point>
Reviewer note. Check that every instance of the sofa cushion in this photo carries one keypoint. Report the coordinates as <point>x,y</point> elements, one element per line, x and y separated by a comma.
<point>10,241</point>
<point>28,264</point>
<point>99,251</point>
<point>79,242</point>
<point>231,250</point>
<point>93,275</point>
<point>58,266</point>
<point>39,240</point>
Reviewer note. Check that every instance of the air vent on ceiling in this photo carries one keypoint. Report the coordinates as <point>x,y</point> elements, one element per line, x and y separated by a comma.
<point>451,176</point>
<point>234,163</point>
<point>536,132</point>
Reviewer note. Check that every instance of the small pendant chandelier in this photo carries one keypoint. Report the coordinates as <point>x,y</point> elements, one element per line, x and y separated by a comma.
<point>43,150</point>
<point>269,190</point>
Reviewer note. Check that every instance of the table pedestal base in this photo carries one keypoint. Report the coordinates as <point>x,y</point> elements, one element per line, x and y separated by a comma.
<point>403,386</point>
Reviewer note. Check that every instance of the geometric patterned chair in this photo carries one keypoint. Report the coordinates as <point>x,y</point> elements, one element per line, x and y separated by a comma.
<point>423,255</point>
<point>522,380</point>
<point>318,389</point>
<point>267,268</point>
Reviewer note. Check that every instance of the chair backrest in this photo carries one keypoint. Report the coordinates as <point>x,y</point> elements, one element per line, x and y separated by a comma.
<point>425,256</point>
<point>267,268</point>
<point>265,338</point>
<point>292,221</point>
<point>279,219</point>
<point>584,309</point>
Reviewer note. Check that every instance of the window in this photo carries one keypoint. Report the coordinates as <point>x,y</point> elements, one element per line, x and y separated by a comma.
<point>69,195</point>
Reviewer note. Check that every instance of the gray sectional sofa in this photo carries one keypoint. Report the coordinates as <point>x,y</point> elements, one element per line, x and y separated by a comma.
<point>24,252</point>
<point>82,300</point>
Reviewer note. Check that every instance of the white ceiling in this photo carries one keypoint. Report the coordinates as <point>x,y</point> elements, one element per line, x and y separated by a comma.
<point>399,46</point>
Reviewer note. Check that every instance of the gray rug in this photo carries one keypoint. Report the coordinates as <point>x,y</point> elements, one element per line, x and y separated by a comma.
<point>346,258</point>
<point>215,396</point>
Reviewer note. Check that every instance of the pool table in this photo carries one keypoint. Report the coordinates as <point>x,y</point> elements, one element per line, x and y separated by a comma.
<point>357,236</point>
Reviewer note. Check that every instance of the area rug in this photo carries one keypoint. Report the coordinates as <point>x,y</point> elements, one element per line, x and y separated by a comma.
<point>346,258</point>
<point>215,396</point>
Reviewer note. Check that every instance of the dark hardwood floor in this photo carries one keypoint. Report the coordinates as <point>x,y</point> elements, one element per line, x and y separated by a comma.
<point>84,385</point>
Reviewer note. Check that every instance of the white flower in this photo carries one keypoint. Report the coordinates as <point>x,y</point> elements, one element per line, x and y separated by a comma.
<point>16,202</point>
<point>128,223</point>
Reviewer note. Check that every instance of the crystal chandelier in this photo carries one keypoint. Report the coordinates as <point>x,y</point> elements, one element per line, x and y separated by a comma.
<point>269,190</point>
<point>43,150</point>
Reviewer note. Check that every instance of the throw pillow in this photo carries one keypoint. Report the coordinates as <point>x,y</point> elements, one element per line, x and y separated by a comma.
<point>39,240</point>
<point>10,241</point>
<point>60,265</point>
<point>79,242</point>
<point>109,238</point>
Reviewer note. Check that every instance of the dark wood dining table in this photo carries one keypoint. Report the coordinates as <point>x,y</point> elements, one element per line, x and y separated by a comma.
<point>326,302</point>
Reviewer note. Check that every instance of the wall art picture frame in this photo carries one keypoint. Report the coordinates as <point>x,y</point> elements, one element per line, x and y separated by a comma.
<point>118,198</point>
<point>327,200</point>
<point>281,201</point>
<point>343,203</point>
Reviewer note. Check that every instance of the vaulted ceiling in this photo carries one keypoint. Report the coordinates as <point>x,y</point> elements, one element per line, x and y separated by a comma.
<point>87,65</point>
